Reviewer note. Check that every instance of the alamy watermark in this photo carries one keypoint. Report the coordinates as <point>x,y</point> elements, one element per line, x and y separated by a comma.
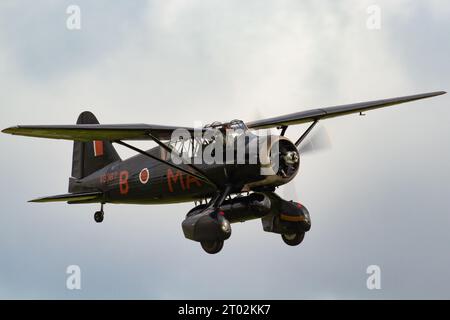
<point>231,145</point>
<point>374,280</point>
<point>73,21</point>
<point>73,281</point>
<point>373,22</point>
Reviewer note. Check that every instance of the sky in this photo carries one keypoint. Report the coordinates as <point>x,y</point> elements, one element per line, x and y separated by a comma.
<point>379,196</point>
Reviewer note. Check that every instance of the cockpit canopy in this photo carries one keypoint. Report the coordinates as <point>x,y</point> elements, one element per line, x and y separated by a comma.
<point>229,131</point>
<point>237,125</point>
<point>233,127</point>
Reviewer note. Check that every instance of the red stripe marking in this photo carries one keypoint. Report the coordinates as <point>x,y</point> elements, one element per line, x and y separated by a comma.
<point>98,148</point>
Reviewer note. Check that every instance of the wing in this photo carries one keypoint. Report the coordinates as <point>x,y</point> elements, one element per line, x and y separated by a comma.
<point>337,111</point>
<point>84,197</point>
<point>113,132</point>
<point>90,132</point>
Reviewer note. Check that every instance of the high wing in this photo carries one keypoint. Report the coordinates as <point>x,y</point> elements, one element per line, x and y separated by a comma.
<point>109,132</point>
<point>90,132</point>
<point>115,132</point>
<point>336,111</point>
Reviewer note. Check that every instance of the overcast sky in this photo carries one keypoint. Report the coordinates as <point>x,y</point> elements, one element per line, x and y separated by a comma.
<point>380,196</point>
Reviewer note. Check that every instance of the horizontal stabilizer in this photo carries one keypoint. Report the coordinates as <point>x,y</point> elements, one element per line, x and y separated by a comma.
<point>72,197</point>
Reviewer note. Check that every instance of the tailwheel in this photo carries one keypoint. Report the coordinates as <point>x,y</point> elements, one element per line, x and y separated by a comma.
<point>98,216</point>
<point>293,239</point>
<point>212,247</point>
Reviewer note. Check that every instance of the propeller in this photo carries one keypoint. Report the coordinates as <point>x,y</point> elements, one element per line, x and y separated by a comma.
<point>318,140</point>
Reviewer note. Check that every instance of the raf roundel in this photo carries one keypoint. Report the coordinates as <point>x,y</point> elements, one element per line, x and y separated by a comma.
<point>144,176</point>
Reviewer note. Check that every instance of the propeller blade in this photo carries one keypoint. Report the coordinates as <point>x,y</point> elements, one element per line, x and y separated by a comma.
<point>317,140</point>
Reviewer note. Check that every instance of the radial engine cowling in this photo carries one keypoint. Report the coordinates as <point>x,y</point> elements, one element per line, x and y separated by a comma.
<point>280,162</point>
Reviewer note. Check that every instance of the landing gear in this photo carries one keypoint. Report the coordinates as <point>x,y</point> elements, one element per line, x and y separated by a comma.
<point>212,247</point>
<point>293,239</point>
<point>99,215</point>
<point>208,224</point>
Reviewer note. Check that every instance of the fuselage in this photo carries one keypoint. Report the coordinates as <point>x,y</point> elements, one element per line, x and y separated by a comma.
<point>142,180</point>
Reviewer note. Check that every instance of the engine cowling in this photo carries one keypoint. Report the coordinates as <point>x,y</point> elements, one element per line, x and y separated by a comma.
<point>280,163</point>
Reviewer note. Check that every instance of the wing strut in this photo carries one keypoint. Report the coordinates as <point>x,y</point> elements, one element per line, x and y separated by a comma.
<point>283,130</point>
<point>201,177</point>
<point>306,133</point>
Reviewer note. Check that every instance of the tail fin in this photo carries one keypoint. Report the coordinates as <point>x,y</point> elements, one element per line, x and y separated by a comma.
<point>89,157</point>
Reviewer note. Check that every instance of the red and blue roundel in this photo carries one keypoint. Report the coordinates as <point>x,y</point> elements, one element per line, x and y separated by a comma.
<point>144,176</point>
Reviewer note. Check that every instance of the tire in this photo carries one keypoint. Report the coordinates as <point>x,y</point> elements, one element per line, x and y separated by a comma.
<point>293,239</point>
<point>99,216</point>
<point>212,247</point>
